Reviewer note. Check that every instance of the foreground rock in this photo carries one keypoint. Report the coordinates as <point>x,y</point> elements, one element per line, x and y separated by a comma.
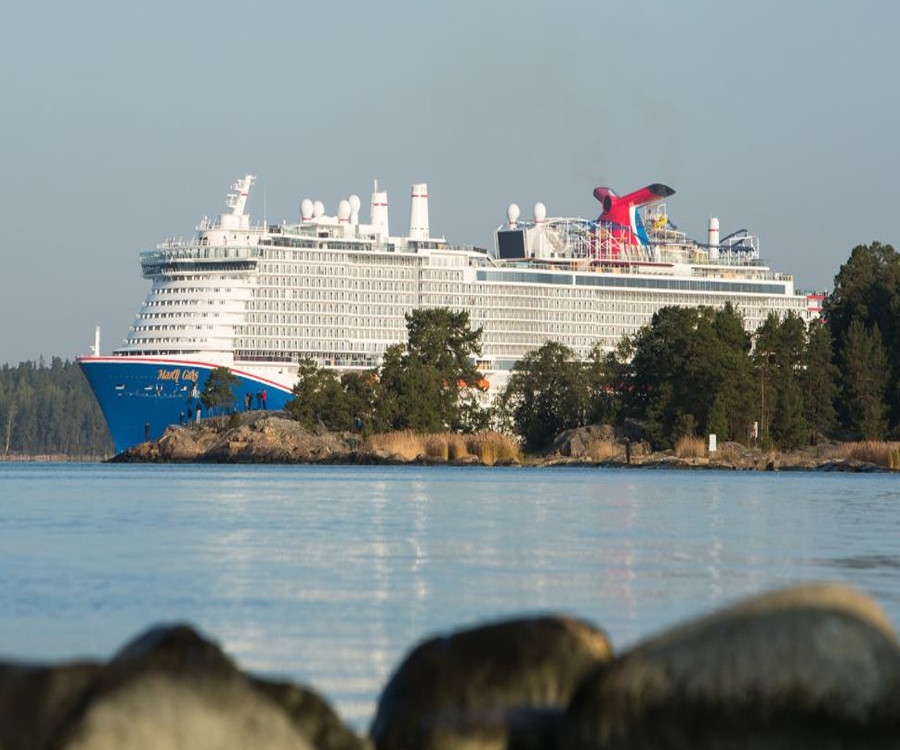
<point>810,667</point>
<point>170,688</point>
<point>815,666</point>
<point>498,685</point>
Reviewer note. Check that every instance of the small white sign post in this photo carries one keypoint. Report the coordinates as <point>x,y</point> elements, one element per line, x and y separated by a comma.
<point>712,443</point>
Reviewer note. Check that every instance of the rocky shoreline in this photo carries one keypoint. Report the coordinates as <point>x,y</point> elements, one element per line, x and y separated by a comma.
<point>813,666</point>
<point>274,438</point>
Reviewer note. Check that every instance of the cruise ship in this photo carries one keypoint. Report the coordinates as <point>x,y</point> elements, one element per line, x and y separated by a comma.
<point>259,298</point>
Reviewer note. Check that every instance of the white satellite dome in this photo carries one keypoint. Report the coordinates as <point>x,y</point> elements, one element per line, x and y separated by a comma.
<point>355,203</point>
<point>344,210</point>
<point>318,209</point>
<point>512,213</point>
<point>306,209</point>
<point>540,212</point>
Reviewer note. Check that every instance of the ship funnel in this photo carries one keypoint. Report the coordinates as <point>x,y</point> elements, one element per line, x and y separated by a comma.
<point>379,213</point>
<point>418,212</point>
<point>713,241</point>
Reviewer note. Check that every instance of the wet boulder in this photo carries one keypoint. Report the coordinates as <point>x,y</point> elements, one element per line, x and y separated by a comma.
<point>490,686</point>
<point>815,666</point>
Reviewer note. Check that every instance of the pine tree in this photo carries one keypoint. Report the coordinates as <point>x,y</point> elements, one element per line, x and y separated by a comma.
<point>818,380</point>
<point>789,427</point>
<point>867,289</point>
<point>865,380</point>
<point>218,391</point>
<point>546,394</point>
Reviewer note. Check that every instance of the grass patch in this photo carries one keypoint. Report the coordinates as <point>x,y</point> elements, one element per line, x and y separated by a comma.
<point>487,447</point>
<point>878,452</point>
<point>491,447</point>
<point>690,447</point>
<point>603,450</point>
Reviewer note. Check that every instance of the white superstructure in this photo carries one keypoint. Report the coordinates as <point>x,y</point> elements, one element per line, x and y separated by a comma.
<point>335,290</point>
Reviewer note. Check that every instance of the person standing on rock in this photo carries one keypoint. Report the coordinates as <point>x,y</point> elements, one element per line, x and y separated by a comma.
<point>263,397</point>
<point>197,413</point>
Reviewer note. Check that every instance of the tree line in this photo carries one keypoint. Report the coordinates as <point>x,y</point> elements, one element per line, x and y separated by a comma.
<point>50,409</point>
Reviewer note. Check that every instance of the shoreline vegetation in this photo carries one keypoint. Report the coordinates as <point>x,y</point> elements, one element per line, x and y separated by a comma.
<point>260,437</point>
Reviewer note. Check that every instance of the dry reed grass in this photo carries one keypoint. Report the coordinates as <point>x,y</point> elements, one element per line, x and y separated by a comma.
<point>491,447</point>
<point>603,450</point>
<point>876,452</point>
<point>487,447</point>
<point>690,447</point>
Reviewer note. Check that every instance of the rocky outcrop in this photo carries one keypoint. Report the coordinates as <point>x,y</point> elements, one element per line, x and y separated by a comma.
<point>578,443</point>
<point>491,686</point>
<point>273,437</point>
<point>258,437</point>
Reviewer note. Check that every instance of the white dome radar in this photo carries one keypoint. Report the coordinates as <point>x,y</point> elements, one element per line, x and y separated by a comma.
<point>306,209</point>
<point>355,203</point>
<point>540,213</point>
<point>512,214</point>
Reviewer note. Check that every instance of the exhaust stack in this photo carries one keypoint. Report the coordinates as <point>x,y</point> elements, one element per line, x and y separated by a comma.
<point>418,212</point>
<point>379,212</point>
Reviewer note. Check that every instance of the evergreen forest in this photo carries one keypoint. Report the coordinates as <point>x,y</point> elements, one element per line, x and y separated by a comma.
<point>50,409</point>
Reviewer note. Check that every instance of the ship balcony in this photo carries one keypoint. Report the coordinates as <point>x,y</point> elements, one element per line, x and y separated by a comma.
<point>188,251</point>
<point>166,260</point>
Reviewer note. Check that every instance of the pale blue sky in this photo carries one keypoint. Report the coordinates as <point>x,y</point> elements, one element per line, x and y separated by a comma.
<point>125,123</point>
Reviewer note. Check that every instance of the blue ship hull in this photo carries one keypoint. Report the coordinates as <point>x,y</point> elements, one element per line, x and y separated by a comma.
<point>141,397</point>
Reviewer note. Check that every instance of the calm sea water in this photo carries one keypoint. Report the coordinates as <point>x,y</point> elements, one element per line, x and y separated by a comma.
<point>329,575</point>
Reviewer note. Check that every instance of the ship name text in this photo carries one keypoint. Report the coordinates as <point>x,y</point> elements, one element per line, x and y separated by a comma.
<point>178,375</point>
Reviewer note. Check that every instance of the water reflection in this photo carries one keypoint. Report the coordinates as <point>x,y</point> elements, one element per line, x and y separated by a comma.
<point>868,562</point>
<point>330,575</point>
